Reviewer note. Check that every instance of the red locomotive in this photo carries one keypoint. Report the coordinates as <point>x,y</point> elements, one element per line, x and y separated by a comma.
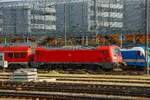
<point>105,56</point>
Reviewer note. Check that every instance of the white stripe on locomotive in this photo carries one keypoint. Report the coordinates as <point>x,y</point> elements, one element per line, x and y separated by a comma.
<point>134,60</point>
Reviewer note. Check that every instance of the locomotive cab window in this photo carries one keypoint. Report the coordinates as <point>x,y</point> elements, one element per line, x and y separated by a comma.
<point>10,55</point>
<point>16,55</point>
<point>116,51</point>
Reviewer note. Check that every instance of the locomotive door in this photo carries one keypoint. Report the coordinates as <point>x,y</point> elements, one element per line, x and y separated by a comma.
<point>3,63</point>
<point>104,54</point>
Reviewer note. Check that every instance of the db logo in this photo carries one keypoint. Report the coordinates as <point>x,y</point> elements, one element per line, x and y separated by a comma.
<point>69,55</point>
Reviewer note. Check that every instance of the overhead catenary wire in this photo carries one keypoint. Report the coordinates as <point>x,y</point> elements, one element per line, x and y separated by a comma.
<point>100,26</point>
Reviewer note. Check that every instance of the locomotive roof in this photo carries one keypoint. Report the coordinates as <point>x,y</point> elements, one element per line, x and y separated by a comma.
<point>135,49</point>
<point>16,44</point>
<point>14,48</point>
<point>74,47</point>
<point>68,48</point>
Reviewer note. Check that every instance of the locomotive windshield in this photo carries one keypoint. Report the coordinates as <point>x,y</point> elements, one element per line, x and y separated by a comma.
<point>116,51</point>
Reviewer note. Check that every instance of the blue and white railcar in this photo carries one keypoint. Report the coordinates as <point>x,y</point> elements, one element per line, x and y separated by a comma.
<point>135,56</point>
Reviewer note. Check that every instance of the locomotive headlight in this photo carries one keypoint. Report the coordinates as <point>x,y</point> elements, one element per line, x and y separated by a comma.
<point>115,58</point>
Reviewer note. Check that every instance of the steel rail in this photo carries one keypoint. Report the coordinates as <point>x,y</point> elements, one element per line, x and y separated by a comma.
<point>62,95</point>
<point>77,87</point>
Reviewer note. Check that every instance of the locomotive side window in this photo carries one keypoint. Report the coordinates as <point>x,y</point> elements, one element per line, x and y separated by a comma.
<point>104,52</point>
<point>10,55</point>
<point>23,55</point>
<point>16,55</point>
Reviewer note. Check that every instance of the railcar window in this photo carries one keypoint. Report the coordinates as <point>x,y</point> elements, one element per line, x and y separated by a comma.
<point>10,55</point>
<point>23,55</point>
<point>16,55</point>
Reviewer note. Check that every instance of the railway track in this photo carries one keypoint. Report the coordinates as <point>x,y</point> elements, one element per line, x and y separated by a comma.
<point>99,78</point>
<point>102,80</point>
<point>137,77</point>
<point>129,86</point>
<point>107,88</point>
<point>91,78</point>
<point>4,75</point>
<point>95,71</point>
<point>65,96</point>
<point>88,71</point>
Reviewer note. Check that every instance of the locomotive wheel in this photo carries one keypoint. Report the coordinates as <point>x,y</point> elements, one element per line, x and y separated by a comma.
<point>124,66</point>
